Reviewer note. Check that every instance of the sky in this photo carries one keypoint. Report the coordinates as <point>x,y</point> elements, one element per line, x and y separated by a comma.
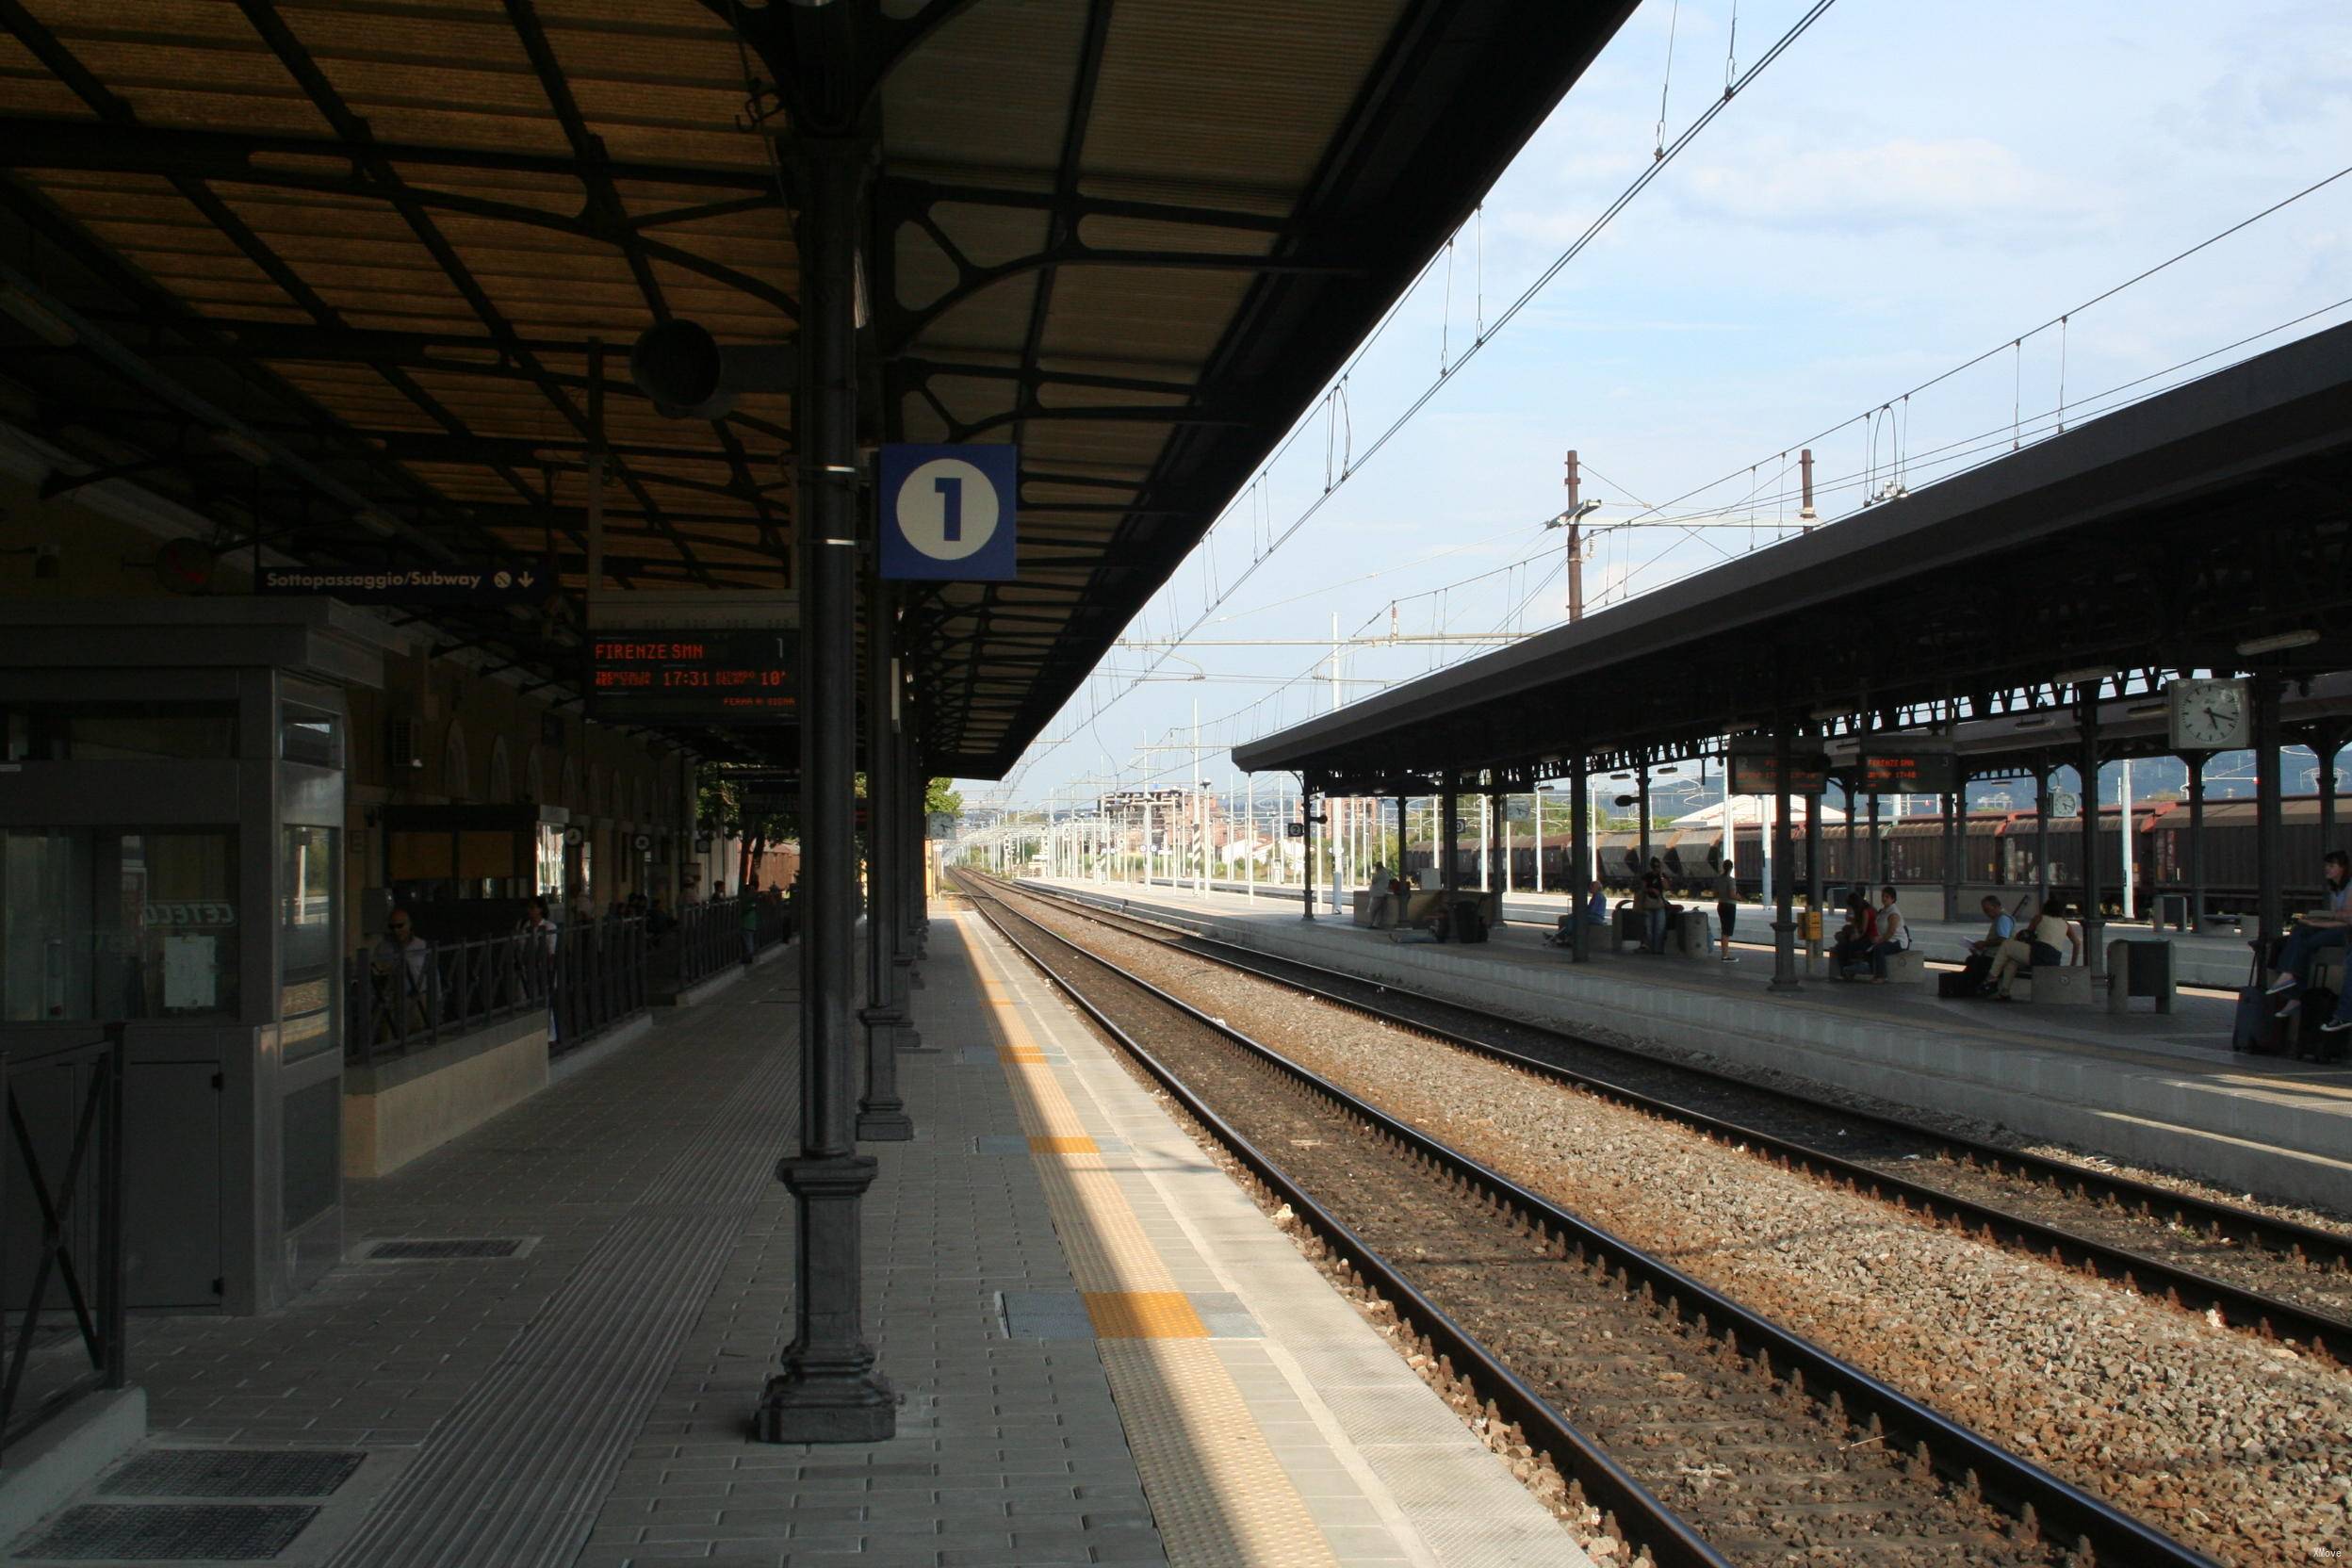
<point>1909,187</point>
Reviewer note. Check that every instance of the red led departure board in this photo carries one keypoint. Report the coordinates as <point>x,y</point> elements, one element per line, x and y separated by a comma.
<point>1909,773</point>
<point>713,677</point>
<point>1756,772</point>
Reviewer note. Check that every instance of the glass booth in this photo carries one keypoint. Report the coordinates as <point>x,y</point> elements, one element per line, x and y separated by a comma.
<point>172,821</point>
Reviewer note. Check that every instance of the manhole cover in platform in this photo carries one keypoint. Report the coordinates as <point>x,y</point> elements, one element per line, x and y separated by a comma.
<point>439,1249</point>
<point>218,1532</point>
<point>232,1472</point>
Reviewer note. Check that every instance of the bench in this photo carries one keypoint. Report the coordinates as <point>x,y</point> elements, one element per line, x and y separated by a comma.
<point>2139,968</point>
<point>2057,986</point>
<point>1907,968</point>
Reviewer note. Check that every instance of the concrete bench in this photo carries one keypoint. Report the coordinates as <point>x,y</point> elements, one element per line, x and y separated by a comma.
<point>1907,968</point>
<point>2059,985</point>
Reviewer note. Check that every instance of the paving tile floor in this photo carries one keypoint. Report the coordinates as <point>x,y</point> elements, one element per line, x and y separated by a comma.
<point>587,1402</point>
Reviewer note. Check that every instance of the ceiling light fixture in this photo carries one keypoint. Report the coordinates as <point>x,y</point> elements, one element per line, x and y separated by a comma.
<point>2277,643</point>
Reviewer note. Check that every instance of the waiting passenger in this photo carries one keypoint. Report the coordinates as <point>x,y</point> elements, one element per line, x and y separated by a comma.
<point>1376,906</point>
<point>2037,947</point>
<point>1856,938</point>
<point>1650,900</point>
<point>1892,937</point>
<point>1596,905</point>
<point>1999,928</point>
<point>1727,907</point>
<point>2316,930</point>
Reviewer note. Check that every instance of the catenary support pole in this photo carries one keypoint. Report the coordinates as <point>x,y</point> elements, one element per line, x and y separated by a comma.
<point>828,1390</point>
<point>2194,867</point>
<point>881,1113</point>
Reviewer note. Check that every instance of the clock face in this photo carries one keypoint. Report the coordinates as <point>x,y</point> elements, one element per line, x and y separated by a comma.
<point>2209,714</point>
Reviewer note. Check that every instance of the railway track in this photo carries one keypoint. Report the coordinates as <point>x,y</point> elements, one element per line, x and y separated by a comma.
<point>1710,1434</point>
<point>2259,1273</point>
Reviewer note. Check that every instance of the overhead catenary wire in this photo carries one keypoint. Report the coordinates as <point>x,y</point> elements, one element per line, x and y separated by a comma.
<point>1641,182</point>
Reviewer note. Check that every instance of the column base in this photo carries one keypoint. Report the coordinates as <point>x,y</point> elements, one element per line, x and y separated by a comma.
<point>799,1407</point>
<point>829,1391</point>
<point>883,1121</point>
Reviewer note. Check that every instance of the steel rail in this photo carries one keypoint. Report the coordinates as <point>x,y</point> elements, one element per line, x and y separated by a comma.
<point>1672,1540</point>
<point>2240,1307</point>
<point>1962,1455</point>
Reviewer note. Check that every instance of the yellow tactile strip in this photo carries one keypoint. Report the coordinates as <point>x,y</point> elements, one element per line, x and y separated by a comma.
<point>1217,1493</point>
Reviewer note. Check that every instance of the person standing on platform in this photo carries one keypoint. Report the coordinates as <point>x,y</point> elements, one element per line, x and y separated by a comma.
<point>1650,899</point>
<point>399,963</point>
<point>1726,905</point>
<point>749,919</point>
<point>1376,905</point>
<point>2316,930</point>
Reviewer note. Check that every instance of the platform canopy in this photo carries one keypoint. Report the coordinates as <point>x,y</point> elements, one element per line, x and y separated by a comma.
<point>2208,526</point>
<point>373,242</point>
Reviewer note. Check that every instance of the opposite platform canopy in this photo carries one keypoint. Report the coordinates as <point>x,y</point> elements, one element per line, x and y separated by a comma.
<point>2165,535</point>
<point>1135,237</point>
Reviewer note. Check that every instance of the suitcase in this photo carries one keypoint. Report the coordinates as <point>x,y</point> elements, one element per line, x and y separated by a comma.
<point>2257,1030</point>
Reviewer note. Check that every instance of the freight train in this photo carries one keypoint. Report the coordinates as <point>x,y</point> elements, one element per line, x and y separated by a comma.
<point>1997,849</point>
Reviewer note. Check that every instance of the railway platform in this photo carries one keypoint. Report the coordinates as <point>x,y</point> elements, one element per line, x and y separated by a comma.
<point>1105,1352</point>
<point>2151,1090</point>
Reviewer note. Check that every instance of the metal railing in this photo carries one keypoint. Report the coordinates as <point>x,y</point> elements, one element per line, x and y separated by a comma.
<point>73,1170</point>
<point>709,936</point>
<point>590,977</point>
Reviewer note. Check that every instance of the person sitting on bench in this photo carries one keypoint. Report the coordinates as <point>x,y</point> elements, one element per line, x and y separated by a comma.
<point>2035,946</point>
<point>2316,930</point>
<point>1856,938</point>
<point>1891,935</point>
<point>1999,928</point>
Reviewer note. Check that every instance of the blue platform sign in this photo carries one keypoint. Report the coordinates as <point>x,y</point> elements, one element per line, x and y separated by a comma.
<point>948,513</point>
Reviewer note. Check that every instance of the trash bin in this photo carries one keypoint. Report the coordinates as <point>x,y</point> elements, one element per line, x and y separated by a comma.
<point>2139,968</point>
<point>2171,910</point>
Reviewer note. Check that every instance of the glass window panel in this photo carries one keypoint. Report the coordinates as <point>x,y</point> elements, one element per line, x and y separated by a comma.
<point>309,735</point>
<point>113,925</point>
<point>308,879</point>
<point>117,731</point>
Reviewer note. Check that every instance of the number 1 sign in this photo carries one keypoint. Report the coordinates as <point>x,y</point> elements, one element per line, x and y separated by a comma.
<point>948,513</point>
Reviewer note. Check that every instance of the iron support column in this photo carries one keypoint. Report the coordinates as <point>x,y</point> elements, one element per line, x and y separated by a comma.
<point>1580,859</point>
<point>2269,902</point>
<point>2088,765</point>
<point>2041,833</point>
<point>1784,877</point>
<point>828,1390</point>
<point>1952,847</point>
<point>1306,849</point>
<point>1849,862</point>
<point>1642,808</point>
<point>882,1115</point>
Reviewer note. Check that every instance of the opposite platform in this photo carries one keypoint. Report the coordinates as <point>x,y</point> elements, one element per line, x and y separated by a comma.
<point>2156,1089</point>
<point>1106,1354</point>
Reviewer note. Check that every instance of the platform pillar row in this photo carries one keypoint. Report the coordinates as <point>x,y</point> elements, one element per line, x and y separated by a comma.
<point>1784,872</point>
<point>881,1113</point>
<point>828,1390</point>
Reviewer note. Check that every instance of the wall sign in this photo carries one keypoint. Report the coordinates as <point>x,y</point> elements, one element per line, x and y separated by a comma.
<point>704,677</point>
<point>518,583</point>
<point>948,513</point>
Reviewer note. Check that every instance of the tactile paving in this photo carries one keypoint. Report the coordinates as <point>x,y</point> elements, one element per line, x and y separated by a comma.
<point>440,1248</point>
<point>232,1472</point>
<point>1144,1314</point>
<point>1218,1495</point>
<point>152,1532</point>
<point>1063,1145</point>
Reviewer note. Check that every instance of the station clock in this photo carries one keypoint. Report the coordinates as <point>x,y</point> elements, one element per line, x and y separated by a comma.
<point>2210,715</point>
